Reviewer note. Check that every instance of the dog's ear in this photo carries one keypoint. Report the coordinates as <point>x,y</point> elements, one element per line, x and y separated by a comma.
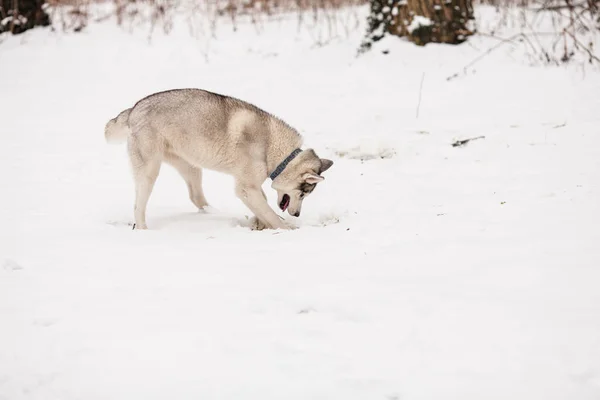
<point>311,178</point>
<point>325,164</point>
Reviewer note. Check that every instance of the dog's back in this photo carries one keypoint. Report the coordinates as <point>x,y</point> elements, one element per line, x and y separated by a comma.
<point>206,129</point>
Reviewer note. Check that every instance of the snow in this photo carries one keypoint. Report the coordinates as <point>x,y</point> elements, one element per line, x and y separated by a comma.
<point>417,22</point>
<point>17,21</point>
<point>419,270</point>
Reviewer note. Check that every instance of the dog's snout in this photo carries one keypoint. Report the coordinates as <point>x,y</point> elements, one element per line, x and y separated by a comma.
<point>297,214</point>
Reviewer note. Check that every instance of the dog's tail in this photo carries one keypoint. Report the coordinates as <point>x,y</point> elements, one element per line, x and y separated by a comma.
<point>117,129</point>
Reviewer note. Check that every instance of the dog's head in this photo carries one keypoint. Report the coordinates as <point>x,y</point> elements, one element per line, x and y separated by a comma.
<point>298,180</point>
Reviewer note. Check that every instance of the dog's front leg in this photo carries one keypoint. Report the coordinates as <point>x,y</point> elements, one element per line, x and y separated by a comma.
<point>253,199</point>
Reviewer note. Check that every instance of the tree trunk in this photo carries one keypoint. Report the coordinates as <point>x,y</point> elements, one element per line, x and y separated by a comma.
<point>420,21</point>
<point>17,16</point>
<point>441,21</point>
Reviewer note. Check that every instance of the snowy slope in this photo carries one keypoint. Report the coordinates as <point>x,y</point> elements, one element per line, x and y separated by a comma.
<point>420,270</point>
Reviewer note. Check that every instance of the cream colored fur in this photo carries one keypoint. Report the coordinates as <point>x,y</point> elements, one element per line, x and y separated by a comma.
<point>192,129</point>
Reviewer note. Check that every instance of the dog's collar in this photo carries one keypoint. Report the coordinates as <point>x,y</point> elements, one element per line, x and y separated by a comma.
<point>284,164</point>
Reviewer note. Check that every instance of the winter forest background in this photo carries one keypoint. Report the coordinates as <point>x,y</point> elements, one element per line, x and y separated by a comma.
<point>571,26</point>
<point>451,252</point>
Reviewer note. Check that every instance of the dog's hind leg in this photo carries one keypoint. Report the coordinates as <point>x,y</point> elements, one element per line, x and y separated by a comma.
<point>145,172</point>
<point>193,178</point>
<point>145,177</point>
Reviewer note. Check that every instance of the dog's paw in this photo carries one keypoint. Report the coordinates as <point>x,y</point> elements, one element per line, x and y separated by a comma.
<point>257,225</point>
<point>288,226</point>
<point>207,209</point>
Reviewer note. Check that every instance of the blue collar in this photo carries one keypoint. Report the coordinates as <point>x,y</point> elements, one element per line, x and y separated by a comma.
<point>284,164</point>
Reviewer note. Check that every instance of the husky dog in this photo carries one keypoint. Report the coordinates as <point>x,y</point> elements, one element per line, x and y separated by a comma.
<point>192,129</point>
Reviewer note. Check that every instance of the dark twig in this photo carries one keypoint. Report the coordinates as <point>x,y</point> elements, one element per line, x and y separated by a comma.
<point>461,143</point>
<point>420,91</point>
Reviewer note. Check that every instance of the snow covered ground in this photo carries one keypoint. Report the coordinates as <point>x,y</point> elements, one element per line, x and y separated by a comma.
<point>420,270</point>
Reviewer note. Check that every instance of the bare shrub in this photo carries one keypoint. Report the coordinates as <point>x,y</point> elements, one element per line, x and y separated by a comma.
<point>553,31</point>
<point>327,19</point>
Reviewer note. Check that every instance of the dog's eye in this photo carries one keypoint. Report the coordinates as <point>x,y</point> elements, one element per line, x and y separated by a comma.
<point>301,194</point>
